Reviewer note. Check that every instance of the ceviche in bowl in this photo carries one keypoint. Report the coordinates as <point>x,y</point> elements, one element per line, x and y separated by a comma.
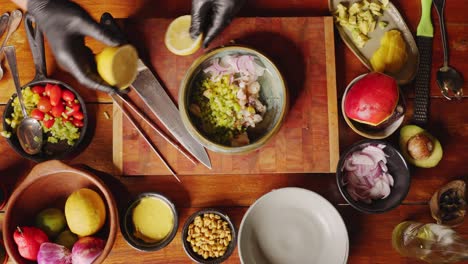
<point>233,99</point>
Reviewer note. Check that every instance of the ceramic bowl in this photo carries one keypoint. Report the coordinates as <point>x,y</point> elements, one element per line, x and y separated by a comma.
<point>273,94</point>
<point>362,129</point>
<point>188,248</point>
<point>292,225</point>
<point>397,167</point>
<point>127,228</point>
<point>48,185</point>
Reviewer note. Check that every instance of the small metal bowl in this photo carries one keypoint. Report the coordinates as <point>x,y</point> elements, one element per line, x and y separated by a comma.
<point>188,248</point>
<point>397,167</point>
<point>361,129</point>
<point>273,93</point>
<point>127,227</point>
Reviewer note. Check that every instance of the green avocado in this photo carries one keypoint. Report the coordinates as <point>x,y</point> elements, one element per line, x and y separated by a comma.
<point>422,158</point>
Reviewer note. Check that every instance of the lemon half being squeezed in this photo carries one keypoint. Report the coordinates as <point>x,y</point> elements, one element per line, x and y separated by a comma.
<point>178,39</point>
<point>118,65</point>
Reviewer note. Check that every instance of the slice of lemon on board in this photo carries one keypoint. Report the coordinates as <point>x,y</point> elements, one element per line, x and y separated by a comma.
<point>118,65</point>
<point>178,39</point>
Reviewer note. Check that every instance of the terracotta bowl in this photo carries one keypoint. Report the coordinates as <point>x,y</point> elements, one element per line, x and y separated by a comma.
<point>48,185</point>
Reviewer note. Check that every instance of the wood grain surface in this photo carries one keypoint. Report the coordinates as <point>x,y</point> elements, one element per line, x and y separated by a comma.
<point>370,240</point>
<point>302,49</point>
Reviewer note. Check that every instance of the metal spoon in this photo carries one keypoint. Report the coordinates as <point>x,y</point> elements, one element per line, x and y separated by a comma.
<point>448,78</point>
<point>4,23</point>
<point>15,19</point>
<point>29,131</point>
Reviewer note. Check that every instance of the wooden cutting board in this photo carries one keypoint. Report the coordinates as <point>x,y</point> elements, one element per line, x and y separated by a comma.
<point>304,51</point>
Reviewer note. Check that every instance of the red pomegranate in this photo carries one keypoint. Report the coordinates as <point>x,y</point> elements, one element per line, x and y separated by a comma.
<point>373,99</point>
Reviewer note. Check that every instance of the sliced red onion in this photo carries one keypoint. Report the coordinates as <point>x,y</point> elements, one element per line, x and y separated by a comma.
<point>366,174</point>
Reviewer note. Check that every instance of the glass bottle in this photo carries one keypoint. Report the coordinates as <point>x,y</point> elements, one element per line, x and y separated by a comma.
<point>432,243</point>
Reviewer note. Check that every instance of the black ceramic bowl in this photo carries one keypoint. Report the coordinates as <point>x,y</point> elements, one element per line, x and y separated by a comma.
<point>127,228</point>
<point>58,151</point>
<point>397,167</point>
<point>188,248</point>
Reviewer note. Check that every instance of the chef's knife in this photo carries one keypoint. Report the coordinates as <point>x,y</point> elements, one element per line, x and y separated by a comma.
<point>425,34</point>
<point>153,94</point>
<point>155,97</point>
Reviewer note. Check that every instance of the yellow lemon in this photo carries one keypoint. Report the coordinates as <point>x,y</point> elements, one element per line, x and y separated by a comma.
<point>85,212</point>
<point>178,39</point>
<point>118,65</point>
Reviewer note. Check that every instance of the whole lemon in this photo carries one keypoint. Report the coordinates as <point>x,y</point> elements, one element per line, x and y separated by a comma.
<point>85,212</point>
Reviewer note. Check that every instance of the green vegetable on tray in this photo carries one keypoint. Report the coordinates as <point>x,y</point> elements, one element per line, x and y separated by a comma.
<point>361,18</point>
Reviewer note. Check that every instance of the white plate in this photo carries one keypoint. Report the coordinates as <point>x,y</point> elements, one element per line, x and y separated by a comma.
<point>292,225</point>
<point>395,21</point>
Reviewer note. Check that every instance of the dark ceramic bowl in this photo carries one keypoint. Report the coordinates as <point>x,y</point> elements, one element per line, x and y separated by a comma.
<point>50,151</point>
<point>273,94</point>
<point>127,228</point>
<point>188,248</point>
<point>397,167</point>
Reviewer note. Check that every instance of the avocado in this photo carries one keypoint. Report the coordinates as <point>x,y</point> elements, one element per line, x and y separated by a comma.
<point>419,147</point>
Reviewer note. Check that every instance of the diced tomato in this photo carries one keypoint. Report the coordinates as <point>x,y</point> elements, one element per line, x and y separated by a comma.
<point>57,110</point>
<point>55,95</point>
<point>68,96</point>
<point>77,123</point>
<point>71,108</point>
<point>37,114</point>
<point>44,104</point>
<point>78,115</point>
<point>49,123</point>
<point>38,89</point>
<point>47,89</point>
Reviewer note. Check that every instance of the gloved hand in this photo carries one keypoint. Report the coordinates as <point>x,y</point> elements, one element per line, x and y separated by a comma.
<point>65,25</point>
<point>212,16</point>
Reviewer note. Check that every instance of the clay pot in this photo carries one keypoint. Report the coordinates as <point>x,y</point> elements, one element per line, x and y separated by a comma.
<point>48,185</point>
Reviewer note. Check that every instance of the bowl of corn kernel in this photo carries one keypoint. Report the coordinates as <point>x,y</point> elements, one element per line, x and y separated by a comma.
<point>209,236</point>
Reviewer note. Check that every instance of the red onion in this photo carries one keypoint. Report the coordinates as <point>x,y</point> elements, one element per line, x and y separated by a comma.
<point>366,174</point>
<point>51,253</point>
<point>244,66</point>
<point>87,249</point>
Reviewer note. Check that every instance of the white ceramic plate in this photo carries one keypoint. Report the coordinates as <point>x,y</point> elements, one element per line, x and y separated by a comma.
<point>395,21</point>
<point>292,225</point>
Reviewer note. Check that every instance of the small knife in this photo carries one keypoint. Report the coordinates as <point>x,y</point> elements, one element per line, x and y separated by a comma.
<point>425,34</point>
<point>155,97</point>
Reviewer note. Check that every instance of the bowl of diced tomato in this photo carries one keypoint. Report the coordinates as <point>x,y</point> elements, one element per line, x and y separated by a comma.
<point>61,112</point>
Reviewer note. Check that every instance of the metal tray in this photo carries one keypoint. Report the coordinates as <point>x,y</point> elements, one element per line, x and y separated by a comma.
<point>395,21</point>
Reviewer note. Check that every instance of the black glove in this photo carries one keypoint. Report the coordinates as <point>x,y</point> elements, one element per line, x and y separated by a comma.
<point>65,25</point>
<point>212,16</point>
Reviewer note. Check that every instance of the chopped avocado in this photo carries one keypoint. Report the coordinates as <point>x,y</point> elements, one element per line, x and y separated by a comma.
<point>384,2</point>
<point>354,9</point>
<point>383,24</point>
<point>419,147</point>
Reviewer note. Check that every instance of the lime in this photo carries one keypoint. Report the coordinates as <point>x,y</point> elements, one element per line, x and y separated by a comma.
<point>66,239</point>
<point>85,212</point>
<point>118,65</point>
<point>51,221</point>
<point>178,39</point>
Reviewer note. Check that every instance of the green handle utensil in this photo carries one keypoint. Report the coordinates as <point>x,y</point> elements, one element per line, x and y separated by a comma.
<point>425,28</point>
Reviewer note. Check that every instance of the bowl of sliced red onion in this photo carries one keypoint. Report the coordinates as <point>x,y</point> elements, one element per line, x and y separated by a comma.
<point>373,176</point>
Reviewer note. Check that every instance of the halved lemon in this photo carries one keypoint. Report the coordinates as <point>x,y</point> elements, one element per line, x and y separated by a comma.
<point>178,39</point>
<point>118,65</point>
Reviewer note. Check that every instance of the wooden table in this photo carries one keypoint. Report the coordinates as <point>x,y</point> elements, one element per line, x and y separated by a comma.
<point>370,235</point>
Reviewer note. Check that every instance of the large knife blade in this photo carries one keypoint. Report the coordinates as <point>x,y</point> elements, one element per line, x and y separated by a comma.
<point>155,97</point>
<point>424,36</point>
